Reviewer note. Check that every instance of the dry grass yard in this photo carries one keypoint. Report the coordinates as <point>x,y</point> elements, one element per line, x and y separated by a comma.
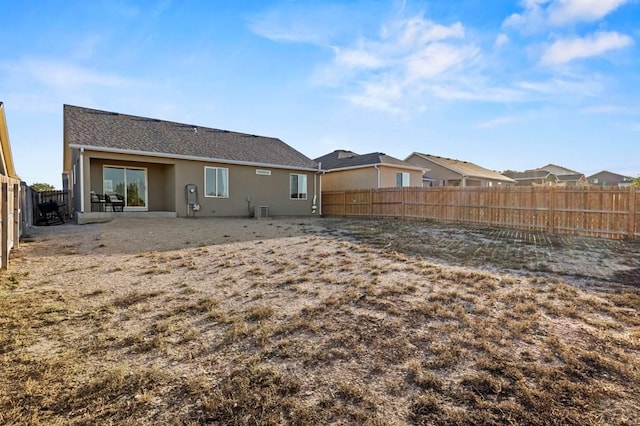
<point>317,321</point>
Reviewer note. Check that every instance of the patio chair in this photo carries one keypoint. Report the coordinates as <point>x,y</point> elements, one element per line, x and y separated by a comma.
<point>49,213</point>
<point>97,200</point>
<point>116,201</point>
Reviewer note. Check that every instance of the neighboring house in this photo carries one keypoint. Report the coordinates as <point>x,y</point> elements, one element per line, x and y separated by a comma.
<point>606,178</point>
<point>449,172</point>
<point>557,170</point>
<point>532,177</point>
<point>348,170</point>
<point>566,177</point>
<point>6,162</point>
<point>172,169</point>
<point>12,209</point>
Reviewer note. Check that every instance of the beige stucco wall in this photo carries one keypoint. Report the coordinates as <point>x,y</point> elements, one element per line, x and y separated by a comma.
<point>436,172</point>
<point>364,178</point>
<point>167,178</point>
<point>388,176</point>
<point>367,178</point>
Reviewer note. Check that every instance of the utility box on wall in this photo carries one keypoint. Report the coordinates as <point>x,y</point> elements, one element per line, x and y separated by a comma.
<point>191,191</point>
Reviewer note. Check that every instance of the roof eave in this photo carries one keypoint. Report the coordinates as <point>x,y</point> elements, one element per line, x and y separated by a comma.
<point>364,166</point>
<point>188,157</point>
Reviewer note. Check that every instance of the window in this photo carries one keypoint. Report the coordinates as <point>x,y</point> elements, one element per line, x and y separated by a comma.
<point>128,182</point>
<point>402,179</point>
<point>298,187</point>
<point>216,182</point>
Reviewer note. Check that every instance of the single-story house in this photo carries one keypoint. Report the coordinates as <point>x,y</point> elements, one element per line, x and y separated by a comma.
<point>450,172</point>
<point>566,177</point>
<point>348,170</point>
<point>163,168</point>
<point>606,178</point>
<point>532,177</point>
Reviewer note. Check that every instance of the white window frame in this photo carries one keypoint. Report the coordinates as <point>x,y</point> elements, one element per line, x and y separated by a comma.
<point>217,192</point>
<point>300,195</point>
<point>405,179</point>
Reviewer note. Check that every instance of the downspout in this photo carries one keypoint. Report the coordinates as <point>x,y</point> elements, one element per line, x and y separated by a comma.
<point>376,167</point>
<point>81,180</point>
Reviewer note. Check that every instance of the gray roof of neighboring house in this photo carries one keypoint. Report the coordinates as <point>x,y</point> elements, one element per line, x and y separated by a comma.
<point>558,170</point>
<point>342,159</point>
<point>610,174</point>
<point>569,178</point>
<point>527,174</point>
<point>112,131</point>
<point>464,168</point>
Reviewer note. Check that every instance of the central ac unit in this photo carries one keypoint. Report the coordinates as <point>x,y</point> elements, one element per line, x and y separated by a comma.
<point>261,212</point>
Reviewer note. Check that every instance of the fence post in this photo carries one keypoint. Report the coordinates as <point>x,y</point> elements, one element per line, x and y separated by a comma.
<point>552,209</point>
<point>16,215</point>
<point>402,214</point>
<point>631,223</point>
<point>370,203</point>
<point>4,200</point>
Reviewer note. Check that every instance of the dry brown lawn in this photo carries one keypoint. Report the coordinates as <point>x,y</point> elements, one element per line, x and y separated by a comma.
<point>238,321</point>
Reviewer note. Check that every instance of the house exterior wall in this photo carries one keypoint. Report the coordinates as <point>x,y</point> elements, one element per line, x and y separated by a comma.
<point>443,176</point>
<point>363,178</point>
<point>167,178</point>
<point>367,178</point>
<point>437,172</point>
<point>388,176</point>
<point>607,179</point>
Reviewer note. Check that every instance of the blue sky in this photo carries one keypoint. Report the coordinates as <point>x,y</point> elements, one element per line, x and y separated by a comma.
<point>504,84</point>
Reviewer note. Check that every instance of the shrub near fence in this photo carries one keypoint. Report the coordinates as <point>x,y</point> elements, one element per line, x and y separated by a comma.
<point>589,211</point>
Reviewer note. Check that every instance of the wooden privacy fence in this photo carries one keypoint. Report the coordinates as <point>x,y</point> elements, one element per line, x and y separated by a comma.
<point>590,211</point>
<point>10,190</point>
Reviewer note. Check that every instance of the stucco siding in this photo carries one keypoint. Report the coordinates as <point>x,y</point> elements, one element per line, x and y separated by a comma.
<point>364,178</point>
<point>167,178</point>
<point>388,176</point>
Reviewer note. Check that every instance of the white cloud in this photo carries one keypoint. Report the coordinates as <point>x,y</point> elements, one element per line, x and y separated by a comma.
<point>390,72</point>
<point>566,50</point>
<point>559,88</point>
<point>561,12</point>
<point>539,15</point>
<point>417,31</point>
<point>435,60</point>
<point>61,75</point>
<point>501,40</point>
<point>357,58</point>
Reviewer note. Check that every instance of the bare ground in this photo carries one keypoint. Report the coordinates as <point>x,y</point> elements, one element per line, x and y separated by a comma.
<point>307,321</point>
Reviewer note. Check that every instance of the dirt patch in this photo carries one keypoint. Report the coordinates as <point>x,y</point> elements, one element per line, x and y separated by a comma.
<point>584,260</point>
<point>307,321</point>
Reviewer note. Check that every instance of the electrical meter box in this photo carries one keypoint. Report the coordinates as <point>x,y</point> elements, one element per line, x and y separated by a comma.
<point>191,193</point>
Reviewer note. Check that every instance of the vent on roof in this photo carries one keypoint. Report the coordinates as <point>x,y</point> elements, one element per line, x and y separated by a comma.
<point>261,212</point>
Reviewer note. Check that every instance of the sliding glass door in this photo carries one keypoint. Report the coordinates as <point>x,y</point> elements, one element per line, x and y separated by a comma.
<point>130,183</point>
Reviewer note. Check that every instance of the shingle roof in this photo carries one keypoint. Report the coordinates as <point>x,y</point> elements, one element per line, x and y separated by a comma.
<point>465,168</point>
<point>341,159</point>
<point>570,178</point>
<point>527,174</point>
<point>113,131</point>
<point>558,170</point>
